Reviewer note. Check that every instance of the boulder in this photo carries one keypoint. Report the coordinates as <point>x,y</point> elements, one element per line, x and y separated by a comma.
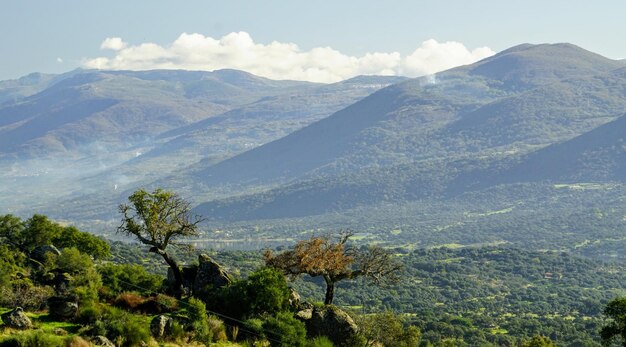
<point>294,298</point>
<point>62,307</point>
<point>16,319</point>
<point>102,341</point>
<point>160,326</point>
<point>211,275</point>
<point>331,322</point>
<point>189,276</point>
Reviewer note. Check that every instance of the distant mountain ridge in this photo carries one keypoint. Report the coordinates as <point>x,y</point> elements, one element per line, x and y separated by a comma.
<point>419,139</point>
<point>93,132</point>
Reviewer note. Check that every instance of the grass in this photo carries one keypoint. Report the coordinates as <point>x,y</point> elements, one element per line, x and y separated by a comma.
<point>47,324</point>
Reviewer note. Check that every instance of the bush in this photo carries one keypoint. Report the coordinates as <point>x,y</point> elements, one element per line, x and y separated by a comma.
<point>252,329</point>
<point>118,325</point>
<point>264,292</point>
<point>199,321</point>
<point>85,279</point>
<point>320,341</point>
<point>129,301</point>
<point>159,304</point>
<point>22,293</point>
<point>176,332</point>
<point>33,338</point>
<point>118,278</point>
<point>89,314</point>
<point>217,328</point>
<point>285,331</point>
<point>387,329</point>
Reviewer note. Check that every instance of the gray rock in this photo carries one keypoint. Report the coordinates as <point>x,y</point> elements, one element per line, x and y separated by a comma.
<point>210,275</point>
<point>189,276</point>
<point>16,319</point>
<point>160,326</point>
<point>62,308</point>
<point>331,322</point>
<point>102,341</point>
<point>294,298</point>
<point>305,314</point>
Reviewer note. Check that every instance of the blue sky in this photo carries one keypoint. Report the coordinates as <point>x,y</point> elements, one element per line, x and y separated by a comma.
<point>57,36</point>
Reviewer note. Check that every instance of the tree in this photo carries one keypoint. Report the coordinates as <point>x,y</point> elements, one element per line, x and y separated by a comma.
<point>320,256</point>
<point>157,219</point>
<point>616,311</point>
<point>83,241</point>
<point>386,329</point>
<point>538,341</point>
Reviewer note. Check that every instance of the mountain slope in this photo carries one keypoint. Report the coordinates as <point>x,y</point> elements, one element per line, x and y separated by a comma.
<point>416,140</point>
<point>122,108</point>
<point>596,156</point>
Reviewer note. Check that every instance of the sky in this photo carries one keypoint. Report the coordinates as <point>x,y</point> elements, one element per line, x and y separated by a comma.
<point>321,40</point>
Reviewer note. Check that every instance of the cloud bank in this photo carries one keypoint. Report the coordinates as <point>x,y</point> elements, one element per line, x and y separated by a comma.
<point>278,60</point>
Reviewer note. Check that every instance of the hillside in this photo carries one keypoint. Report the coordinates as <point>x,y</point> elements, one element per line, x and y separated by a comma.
<point>88,136</point>
<point>418,140</point>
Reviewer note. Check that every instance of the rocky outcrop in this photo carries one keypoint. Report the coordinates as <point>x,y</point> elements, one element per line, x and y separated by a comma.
<point>62,307</point>
<point>189,276</point>
<point>294,298</point>
<point>331,322</point>
<point>16,319</point>
<point>160,326</point>
<point>210,275</point>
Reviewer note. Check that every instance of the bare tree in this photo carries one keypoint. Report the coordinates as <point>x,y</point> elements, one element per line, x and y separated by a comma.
<point>320,256</point>
<point>157,219</point>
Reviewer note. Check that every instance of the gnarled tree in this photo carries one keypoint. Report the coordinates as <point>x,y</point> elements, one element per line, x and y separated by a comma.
<point>321,256</point>
<point>157,219</point>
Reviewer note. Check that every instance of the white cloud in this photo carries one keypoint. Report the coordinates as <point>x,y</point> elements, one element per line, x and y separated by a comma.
<point>279,60</point>
<point>113,43</point>
<point>60,60</point>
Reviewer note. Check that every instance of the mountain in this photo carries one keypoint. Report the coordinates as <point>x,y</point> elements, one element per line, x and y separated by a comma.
<point>89,136</point>
<point>119,109</point>
<point>596,156</point>
<point>423,140</point>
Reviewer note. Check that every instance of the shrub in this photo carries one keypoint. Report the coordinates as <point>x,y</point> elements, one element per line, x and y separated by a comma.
<point>118,325</point>
<point>387,329</point>
<point>252,329</point>
<point>77,341</point>
<point>199,321</point>
<point>129,301</point>
<point>159,304</point>
<point>264,292</point>
<point>285,331</point>
<point>176,332</point>
<point>22,293</point>
<point>217,328</point>
<point>320,341</point>
<point>118,278</point>
<point>33,338</point>
<point>89,314</point>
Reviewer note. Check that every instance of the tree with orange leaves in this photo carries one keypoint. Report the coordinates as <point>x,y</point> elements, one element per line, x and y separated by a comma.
<point>320,256</point>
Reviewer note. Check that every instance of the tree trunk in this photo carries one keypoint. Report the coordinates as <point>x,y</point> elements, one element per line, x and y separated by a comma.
<point>178,276</point>
<point>330,292</point>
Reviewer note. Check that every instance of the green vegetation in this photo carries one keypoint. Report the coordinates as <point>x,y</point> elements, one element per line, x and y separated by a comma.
<point>157,219</point>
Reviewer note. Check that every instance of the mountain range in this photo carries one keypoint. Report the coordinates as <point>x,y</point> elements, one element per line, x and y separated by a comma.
<point>419,139</point>
<point>507,146</point>
<point>94,132</point>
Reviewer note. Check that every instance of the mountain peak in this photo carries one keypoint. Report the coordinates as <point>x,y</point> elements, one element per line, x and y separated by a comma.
<point>529,65</point>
